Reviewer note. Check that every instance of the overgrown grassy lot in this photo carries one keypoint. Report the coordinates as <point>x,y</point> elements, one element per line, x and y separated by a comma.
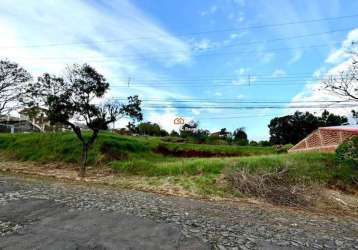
<point>65,147</point>
<point>226,169</point>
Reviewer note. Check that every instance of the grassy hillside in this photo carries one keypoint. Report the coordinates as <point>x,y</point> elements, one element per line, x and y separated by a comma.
<point>244,170</point>
<point>65,147</point>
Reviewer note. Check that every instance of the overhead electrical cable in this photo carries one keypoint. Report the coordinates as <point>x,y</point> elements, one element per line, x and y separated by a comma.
<point>189,33</point>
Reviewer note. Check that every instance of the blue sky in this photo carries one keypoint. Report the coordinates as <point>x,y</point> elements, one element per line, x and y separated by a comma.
<point>212,52</point>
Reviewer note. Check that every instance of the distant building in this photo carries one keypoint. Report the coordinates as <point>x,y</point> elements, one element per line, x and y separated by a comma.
<point>325,139</point>
<point>10,124</point>
<point>220,134</point>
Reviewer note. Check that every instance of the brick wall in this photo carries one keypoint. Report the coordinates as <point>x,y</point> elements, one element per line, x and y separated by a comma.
<point>323,140</point>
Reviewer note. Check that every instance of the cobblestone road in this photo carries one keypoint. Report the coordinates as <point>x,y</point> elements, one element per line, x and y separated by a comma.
<point>155,221</point>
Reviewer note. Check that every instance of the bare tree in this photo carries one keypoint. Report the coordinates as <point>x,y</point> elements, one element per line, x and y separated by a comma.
<point>12,81</point>
<point>345,84</point>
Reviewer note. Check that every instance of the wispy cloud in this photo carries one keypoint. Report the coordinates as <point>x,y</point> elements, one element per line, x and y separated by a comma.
<point>296,56</point>
<point>115,37</point>
<point>344,52</point>
<point>120,23</point>
<point>278,73</point>
<point>211,10</point>
<point>336,62</point>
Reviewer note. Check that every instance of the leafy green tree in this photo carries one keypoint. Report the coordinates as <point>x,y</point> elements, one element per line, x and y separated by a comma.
<point>347,153</point>
<point>13,80</point>
<point>355,115</point>
<point>174,133</point>
<point>148,128</point>
<point>188,129</point>
<point>224,133</point>
<point>163,132</point>
<point>329,119</point>
<point>293,128</point>
<point>240,136</point>
<point>73,98</point>
<point>191,130</point>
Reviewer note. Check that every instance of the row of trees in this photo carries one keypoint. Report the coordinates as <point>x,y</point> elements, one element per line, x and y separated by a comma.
<point>192,130</point>
<point>293,128</point>
<point>189,130</point>
<point>76,96</point>
<point>288,129</point>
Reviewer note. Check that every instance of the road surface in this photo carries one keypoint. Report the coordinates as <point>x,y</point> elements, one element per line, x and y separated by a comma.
<point>38,214</point>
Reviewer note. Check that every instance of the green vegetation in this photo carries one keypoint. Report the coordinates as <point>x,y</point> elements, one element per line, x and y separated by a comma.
<point>64,147</point>
<point>347,153</point>
<point>141,157</point>
<point>304,168</point>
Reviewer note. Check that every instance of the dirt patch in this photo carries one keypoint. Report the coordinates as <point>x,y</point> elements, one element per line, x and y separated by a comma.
<point>190,153</point>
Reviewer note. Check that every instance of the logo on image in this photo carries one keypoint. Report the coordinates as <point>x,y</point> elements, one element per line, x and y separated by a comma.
<point>178,121</point>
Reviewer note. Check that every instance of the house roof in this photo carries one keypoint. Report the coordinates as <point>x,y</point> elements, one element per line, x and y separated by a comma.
<point>349,128</point>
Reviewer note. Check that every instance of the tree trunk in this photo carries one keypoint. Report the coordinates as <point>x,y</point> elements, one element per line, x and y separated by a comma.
<point>84,155</point>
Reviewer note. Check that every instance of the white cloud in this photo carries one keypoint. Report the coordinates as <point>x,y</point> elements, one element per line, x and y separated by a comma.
<point>341,54</point>
<point>195,111</point>
<point>203,44</point>
<point>115,37</point>
<point>297,55</point>
<point>263,55</point>
<point>218,94</point>
<point>244,77</point>
<point>166,119</point>
<point>279,73</point>
<point>314,91</point>
<point>211,10</point>
<point>30,23</point>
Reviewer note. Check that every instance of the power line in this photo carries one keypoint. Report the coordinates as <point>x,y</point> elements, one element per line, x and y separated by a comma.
<point>155,55</point>
<point>297,76</point>
<point>188,34</point>
<point>248,107</point>
<point>214,101</point>
<point>235,117</point>
<point>243,76</point>
<point>206,50</point>
<point>253,84</point>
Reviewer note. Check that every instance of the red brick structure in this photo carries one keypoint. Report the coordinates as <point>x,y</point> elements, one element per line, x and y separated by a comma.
<point>325,139</point>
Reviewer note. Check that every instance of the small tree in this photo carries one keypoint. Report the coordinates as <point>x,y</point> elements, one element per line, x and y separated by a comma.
<point>75,97</point>
<point>240,136</point>
<point>355,115</point>
<point>174,133</point>
<point>12,81</point>
<point>189,129</point>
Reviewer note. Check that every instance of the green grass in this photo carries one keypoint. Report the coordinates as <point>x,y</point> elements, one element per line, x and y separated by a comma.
<point>65,147</point>
<point>228,149</point>
<point>301,167</point>
<point>137,156</point>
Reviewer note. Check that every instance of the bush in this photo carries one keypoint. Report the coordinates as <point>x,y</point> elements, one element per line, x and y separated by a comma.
<point>347,153</point>
<point>275,186</point>
<point>282,148</point>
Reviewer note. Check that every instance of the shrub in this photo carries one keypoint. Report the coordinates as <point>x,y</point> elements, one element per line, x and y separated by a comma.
<point>275,186</point>
<point>282,148</point>
<point>347,153</point>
